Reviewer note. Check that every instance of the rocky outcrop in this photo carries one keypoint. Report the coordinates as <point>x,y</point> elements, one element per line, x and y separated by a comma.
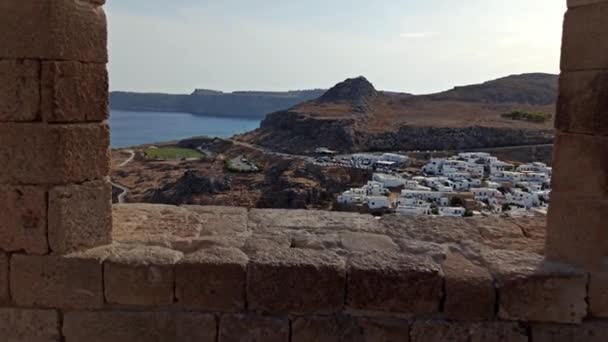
<point>187,187</point>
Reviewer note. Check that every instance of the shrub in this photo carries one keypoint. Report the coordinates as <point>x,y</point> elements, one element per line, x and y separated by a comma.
<point>521,115</point>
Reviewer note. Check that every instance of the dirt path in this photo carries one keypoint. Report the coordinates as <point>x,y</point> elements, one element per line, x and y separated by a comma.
<point>125,191</point>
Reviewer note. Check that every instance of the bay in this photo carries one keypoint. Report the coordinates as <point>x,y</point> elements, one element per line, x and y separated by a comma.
<point>137,128</point>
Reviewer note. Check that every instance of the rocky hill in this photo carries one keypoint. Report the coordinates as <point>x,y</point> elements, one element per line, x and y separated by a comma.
<point>247,104</point>
<point>354,116</point>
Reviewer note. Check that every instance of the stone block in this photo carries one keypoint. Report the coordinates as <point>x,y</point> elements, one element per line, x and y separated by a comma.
<point>117,326</point>
<point>53,154</point>
<point>590,176</point>
<point>212,279</point>
<point>53,30</point>
<point>584,44</point>
<point>374,279</point>
<point>591,331</point>
<point>533,289</point>
<point>339,328</point>
<point>23,219</point>
<point>56,281</point>
<point>424,331</point>
<point>582,106</point>
<point>19,90</point>
<point>366,242</point>
<point>4,273</point>
<point>23,325</point>
<point>80,216</point>
<point>140,275</point>
<point>598,295</point>
<point>470,293</point>
<point>576,221</point>
<point>74,92</point>
<point>249,328</point>
<point>296,281</point>
<point>578,3</point>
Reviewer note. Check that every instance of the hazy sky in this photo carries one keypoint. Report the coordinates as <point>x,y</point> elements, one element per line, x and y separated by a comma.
<point>416,46</point>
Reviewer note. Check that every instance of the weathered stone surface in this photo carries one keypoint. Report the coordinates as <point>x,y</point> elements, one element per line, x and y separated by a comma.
<point>336,329</point>
<point>53,154</point>
<point>590,176</point>
<point>431,229</point>
<point>212,279</point>
<point>582,106</point>
<point>296,281</point>
<point>375,278</point>
<point>19,90</point>
<point>80,216</point>
<point>310,240</point>
<point>439,331</point>
<point>74,92</point>
<point>23,325</point>
<point>584,45</point>
<point>598,295</point>
<point>269,219</point>
<point>532,289</point>
<point>23,219</point>
<point>60,30</point>
<point>119,326</point>
<point>470,293</point>
<point>140,275</point>
<point>576,221</point>
<point>248,328</point>
<point>187,228</point>
<point>4,283</point>
<point>56,281</point>
<point>592,331</point>
<point>366,242</point>
<point>577,3</point>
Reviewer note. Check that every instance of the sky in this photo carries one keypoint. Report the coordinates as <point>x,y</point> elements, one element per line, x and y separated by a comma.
<point>415,46</point>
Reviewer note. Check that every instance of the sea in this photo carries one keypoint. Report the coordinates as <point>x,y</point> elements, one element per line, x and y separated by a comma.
<point>137,128</point>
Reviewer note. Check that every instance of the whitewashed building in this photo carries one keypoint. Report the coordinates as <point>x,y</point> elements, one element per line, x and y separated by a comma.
<point>452,211</point>
<point>483,194</point>
<point>378,202</point>
<point>388,181</point>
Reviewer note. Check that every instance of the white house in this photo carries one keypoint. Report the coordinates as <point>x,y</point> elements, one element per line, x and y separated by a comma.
<point>452,211</point>
<point>535,177</point>
<point>535,167</point>
<point>454,176</point>
<point>375,189</point>
<point>413,211</point>
<point>397,158</point>
<point>389,181</point>
<point>482,194</point>
<point>506,176</point>
<point>434,167</point>
<point>522,199</point>
<point>499,166</point>
<point>378,202</point>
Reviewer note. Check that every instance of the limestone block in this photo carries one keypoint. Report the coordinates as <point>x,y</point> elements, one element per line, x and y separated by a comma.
<point>80,216</point>
<point>374,279</point>
<point>212,279</point>
<point>53,154</point>
<point>598,295</point>
<point>4,286</point>
<point>249,328</point>
<point>366,242</point>
<point>577,3</point>
<point>470,293</point>
<point>532,289</point>
<point>56,281</point>
<point>74,92</point>
<point>117,326</point>
<point>19,90</point>
<point>592,331</point>
<point>140,275</point>
<point>583,102</point>
<point>584,44</point>
<point>53,30</point>
<point>590,176</point>
<point>23,325</point>
<point>424,331</point>
<point>23,219</point>
<point>296,281</point>
<point>338,328</point>
<point>577,229</point>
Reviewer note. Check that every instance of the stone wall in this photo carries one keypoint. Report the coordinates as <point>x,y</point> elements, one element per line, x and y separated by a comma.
<point>227,274</point>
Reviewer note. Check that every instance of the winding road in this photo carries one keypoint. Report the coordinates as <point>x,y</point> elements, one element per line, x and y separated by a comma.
<point>125,191</point>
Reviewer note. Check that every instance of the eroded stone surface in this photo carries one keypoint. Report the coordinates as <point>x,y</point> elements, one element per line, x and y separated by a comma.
<point>260,219</point>
<point>120,326</point>
<point>593,331</point>
<point>23,219</point>
<point>4,283</point>
<point>296,281</point>
<point>339,328</point>
<point>427,331</point>
<point>532,289</point>
<point>19,90</point>
<point>23,325</point>
<point>249,328</point>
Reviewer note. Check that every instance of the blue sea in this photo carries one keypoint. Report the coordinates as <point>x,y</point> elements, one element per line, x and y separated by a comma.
<point>136,128</point>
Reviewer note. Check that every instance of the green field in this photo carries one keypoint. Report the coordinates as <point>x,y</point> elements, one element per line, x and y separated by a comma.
<point>170,153</point>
